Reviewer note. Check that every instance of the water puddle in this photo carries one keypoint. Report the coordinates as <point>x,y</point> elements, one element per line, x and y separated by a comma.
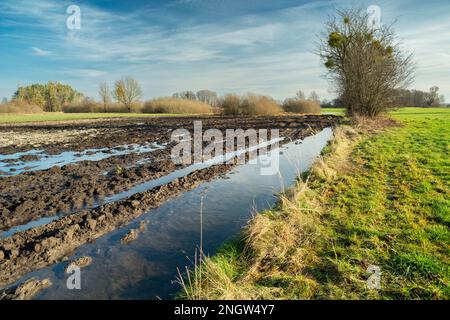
<point>143,186</point>
<point>12,164</point>
<point>146,268</point>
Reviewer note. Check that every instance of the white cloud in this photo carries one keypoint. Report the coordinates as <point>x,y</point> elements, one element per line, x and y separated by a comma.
<point>268,51</point>
<point>40,52</point>
<point>83,73</point>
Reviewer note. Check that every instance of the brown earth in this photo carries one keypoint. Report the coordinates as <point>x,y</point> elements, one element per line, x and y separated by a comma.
<point>30,196</point>
<point>76,187</point>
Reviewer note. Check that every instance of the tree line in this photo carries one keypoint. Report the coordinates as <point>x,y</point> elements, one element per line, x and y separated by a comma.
<point>49,97</point>
<point>417,98</point>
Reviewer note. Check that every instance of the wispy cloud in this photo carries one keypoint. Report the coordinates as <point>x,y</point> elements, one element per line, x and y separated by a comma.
<point>266,50</point>
<point>40,52</point>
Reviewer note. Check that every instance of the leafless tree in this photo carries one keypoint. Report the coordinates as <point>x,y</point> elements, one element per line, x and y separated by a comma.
<point>314,96</point>
<point>300,95</point>
<point>207,96</point>
<point>127,91</point>
<point>432,98</point>
<point>105,95</point>
<point>364,62</point>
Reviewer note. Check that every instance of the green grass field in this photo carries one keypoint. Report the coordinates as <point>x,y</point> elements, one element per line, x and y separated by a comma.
<point>59,116</point>
<point>385,202</point>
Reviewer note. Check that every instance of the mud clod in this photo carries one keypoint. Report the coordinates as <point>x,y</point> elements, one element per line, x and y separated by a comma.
<point>130,236</point>
<point>80,263</point>
<point>133,234</point>
<point>26,290</point>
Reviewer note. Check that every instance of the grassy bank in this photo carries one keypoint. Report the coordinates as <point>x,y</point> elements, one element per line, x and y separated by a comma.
<point>59,116</point>
<point>377,197</point>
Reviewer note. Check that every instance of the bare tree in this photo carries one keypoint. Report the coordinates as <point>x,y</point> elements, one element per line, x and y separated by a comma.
<point>127,91</point>
<point>207,96</point>
<point>189,95</point>
<point>105,95</point>
<point>364,62</point>
<point>432,98</point>
<point>314,96</point>
<point>300,95</point>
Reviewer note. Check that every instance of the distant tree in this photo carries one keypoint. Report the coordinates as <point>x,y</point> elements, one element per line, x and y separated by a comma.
<point>105,95</point>
<point>418,98</point>
<point>432,97</point>
<point>300,95</point>
<point>207,96</point>
<point>314,96</point>
<point>189,95</point>
<point>50,97</point>
<point>4,100</point>
<point>366,64</point>
<point>127,91</point>
<point>52,102</point>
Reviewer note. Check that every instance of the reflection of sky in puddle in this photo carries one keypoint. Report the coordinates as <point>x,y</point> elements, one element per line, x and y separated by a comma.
<point>145,268</point>
<point>146,185</point>
<point>47,161</point>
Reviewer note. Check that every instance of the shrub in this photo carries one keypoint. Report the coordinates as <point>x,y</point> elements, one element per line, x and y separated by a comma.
<point>365,64</point>
<point>85,106</point>
<point>230,104</point>
<point>16,107</point>
<point>50,97</point>
<point>173,105</point>
<point>301,106</point>
<point>136,107</point>
<point>90,106</point>
<point>248,105</point>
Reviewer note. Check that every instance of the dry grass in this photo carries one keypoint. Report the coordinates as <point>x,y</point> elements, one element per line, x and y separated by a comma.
<point>338,155</point>
<point>374,125</point>
<point>19,108</point>
<point>91,106</point>
<point>247,105</point>
<point>301,106</point>
<point>176,106</point>
<point>85,106</point>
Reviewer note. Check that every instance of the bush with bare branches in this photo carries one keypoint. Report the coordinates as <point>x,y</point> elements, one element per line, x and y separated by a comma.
<point>176,106</point>
<point>365,62</point>
<point>301,106</point>
<point>247,105</point>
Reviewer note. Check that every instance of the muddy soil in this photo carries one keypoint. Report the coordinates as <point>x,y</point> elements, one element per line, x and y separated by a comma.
<point>33,195</point>
<point>26,290</point>
<point>39,247</point>
<point>78,186</point>
<point>82,135</point>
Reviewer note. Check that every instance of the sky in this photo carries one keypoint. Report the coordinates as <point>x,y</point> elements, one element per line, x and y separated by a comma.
<point>259,46</point>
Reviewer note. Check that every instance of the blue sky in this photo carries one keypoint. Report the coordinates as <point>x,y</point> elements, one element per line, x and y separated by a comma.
<point>261,46</point>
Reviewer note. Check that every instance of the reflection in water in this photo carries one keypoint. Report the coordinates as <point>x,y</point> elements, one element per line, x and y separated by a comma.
<point>146,268</point>
<point>142,186</point>
<point>11,164</point>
